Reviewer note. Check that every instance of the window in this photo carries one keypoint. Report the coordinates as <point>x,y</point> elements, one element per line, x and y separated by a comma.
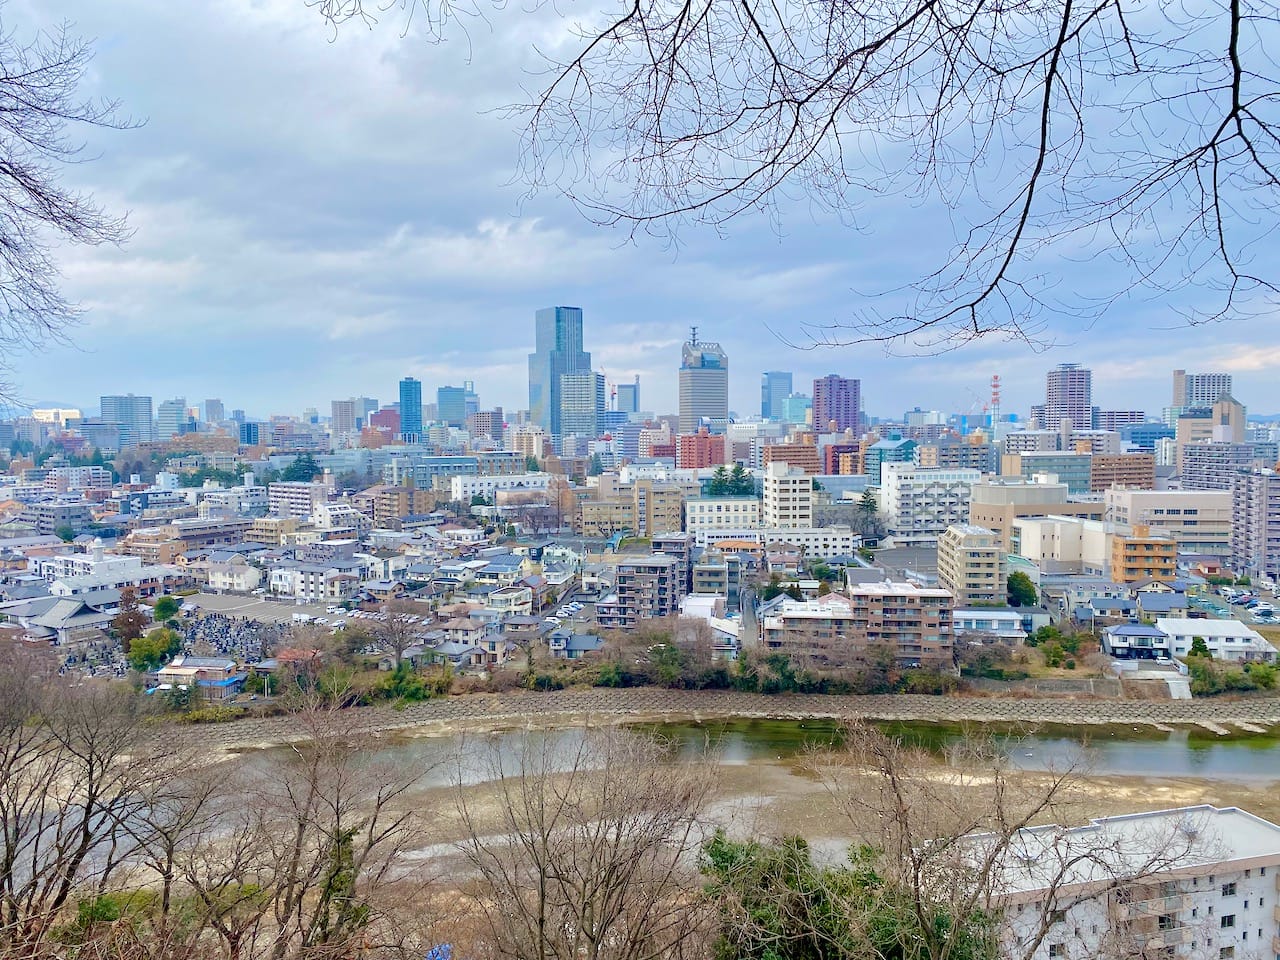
<point>1227,953</point>
<point>1057,950</point>
<point>1228,889</point>
<point>1057,916</point>
<point>1228,920</point>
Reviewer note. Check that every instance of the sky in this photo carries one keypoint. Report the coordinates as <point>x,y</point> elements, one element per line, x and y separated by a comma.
<point>316,215</point>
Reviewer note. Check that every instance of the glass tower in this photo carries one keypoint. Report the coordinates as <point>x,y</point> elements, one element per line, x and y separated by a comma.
<point>775,387</point>
<point>410,409</point>
<point>557,351</point>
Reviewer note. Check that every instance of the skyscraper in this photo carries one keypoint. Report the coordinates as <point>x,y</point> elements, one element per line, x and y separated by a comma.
<point>557,351</point>
<point>214,412</point>
<point>582,403</point>
<point>171,418</point>
<point>410,409</point>
<point>837,399</point>
<point>451,405</point>
<point>1199,389</point>
<point>132,415</point>
<point>629,396</point>
<point>704,383</point>
<point>1068,395</point>
<point>775,387</point>
<point>342,418</point>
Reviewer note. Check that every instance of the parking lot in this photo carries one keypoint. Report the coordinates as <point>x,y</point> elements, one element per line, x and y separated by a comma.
<point>255,608</point>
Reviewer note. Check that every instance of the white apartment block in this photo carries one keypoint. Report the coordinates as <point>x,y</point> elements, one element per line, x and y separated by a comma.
<point>788,497</point>
<point>818,543</point>
<point>233,501</point>
<point>1198,520</point>
<point>1192,883</point>
<point>464,488</point>
<point>341,516</point>
<point>919,503</point>
<point>1226,639</point>
<point>721,513</point>
<point>77,478</point>
<point>971,565</point>
<point>295,499</point>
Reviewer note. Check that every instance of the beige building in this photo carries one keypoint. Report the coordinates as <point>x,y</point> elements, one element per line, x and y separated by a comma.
<point>997,501</point>
<point>1198,520</point>
<point>1141,555</point>
<point>1135,470</point>
<point>721,513</point>
<point>643,508</point>
<point>971,565</point>
<point>788,497</point>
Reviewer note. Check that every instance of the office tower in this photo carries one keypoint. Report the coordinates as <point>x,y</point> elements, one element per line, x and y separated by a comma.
<point>342,420</point>
<point>839,400</point>
<point>1068,396</point>
<point>775,387</point>
<point>796,408</point>
<point>557,351</point>
<point>629,396</point>
<point>1199,389</point>
<point>214,412</point>
<point>582,403</point>
<point>410,409</point>
<point>250,433</point>
<point>132,415</point>
<point>704,383</point>
<point>451,405</point>
<point>487,423</point>
<point>472,398</point>
<point>238,415</point>
<point>365,407</point>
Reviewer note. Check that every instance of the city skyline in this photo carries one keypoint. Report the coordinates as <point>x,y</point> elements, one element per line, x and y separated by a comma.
<point>306,283</point>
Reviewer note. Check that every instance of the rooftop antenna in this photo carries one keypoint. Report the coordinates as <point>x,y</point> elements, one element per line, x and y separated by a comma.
<point>995,408</point>
<point>693,336</point>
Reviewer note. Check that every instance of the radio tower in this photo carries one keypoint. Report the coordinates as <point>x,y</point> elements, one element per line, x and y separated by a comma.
<point>995,408</point>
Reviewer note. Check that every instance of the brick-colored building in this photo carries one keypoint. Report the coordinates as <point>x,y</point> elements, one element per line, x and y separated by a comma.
<point>1136,471</point>
<point>694,451</point>
<point>801,455</point>
<point>1140,555</point>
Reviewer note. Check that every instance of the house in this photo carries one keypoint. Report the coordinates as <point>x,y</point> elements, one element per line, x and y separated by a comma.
<point>511,601</point>
<point>383,591</point>
<point>459,655</point>
<point>1136,641</point>
<point>62,620</point>
<point>988,625</point>
<point>567,645</point>
<point>231,573</point>
<point>1153,605</point>
<point>214,678</point>
<point>1226,639</point>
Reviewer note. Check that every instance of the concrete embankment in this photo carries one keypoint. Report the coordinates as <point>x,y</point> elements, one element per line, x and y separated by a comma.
<point>479,712</point>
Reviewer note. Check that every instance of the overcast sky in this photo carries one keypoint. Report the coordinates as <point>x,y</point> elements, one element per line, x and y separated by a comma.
<point>317,216</point>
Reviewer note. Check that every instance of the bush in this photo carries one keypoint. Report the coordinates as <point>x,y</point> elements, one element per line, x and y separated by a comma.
<point>212,714</point>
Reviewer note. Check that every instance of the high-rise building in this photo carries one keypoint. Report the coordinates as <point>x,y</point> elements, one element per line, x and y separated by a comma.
<point>342,417</point>
<point>582,403</point>
<point>629,397</point>
<point>704,383</point>
<point>698,450</point>
<point>451,405</point>
<point>1068,396</point>
<point>250,433</point>
<point>837,400</point>
<point>365,408</point>
<point>971,565</point>
<point>410,409</point>
<point>1255,532</point>
<point>132,415</point>
<point>788,497</point>
<point>1199,389</point>
<point>171,418</point>
<point>775,387</point>
<point>214,412</point>
<point>557,351</point>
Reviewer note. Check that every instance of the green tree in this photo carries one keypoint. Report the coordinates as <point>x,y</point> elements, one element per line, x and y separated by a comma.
<point>531,465</point>
<point>480,500</point>
<point>868,505</point>
<point>596,467</point>
<point>718,485</point>
<point>1021,590</point>
<point>166,609</point>
<point>303,469</point>
<point>155,649</point>
<point>65,533</point>
<point>1199,648</point>
<point>741,483</point>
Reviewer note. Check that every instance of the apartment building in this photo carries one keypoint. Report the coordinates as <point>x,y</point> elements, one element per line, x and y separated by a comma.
<point>912,624</point>
<point>1199,521</point>
<point>919,503</point>
<point>1141,555</point>
<point>674,543</point>
<point>721,513</point>
<point>1192,883</point>
<point>803,456</point>
<point>1134,470</point>
<point>996,502</point>
<point>971,565</point>
<point>695,451</point>
<point>788,497</point>
<point>817,543</point>
<point>297,499</point>
<point>462,489</point>
<point>1213,465</point>
<point>951,453</point>
<point>643,507</point>
<point>1073,469</point>
<point>1255,533</point>
<point>645,588</point>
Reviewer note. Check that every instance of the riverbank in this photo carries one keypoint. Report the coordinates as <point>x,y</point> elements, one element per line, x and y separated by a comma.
<point>486,712</point>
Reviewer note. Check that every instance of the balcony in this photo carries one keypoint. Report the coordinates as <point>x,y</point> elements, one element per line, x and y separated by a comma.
<point>1138,909</point>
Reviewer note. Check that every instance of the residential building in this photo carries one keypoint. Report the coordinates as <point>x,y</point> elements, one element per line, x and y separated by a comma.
<point>529,441</point>
<point>295,499</point>
<point>700,450</point>
<point>704,383</point>
<point>971,565</point>
<point>1073,469</point>
<point>1133,470</point>
<point>462,489</point>
<point>1192,883</point>
<point>171,418</point>
<point>1199,521</point>
<point>1030,441</point>
<point>1117,420</point>
<point>410,409</point>
<point>582,404</point>
<point>1214,465</point>
<point>1226,639</point>
<point>131,415</point>
<point>919,503</point>
<point>888,450</point>
<point>1141,555</point>
<point>1223,421</point>
<point>232,573</point>
<point>1068,396</point>
<point>1199,389</point>
<point>775,387</point>
<point>674,543</point>
<point>837,400</point>
<point>641,508</point>
<point>838,541</point>
<point>788,497</point>
<point>51,516</point>
<point>645,589</point>
<point>970,452</point>
<point>802,455</point>
<point>487,423</point>
<point>342,418</point>
<point>988,625</point>
<point>213,678</point>
<point>1255,533</point>
<point>557,351</point>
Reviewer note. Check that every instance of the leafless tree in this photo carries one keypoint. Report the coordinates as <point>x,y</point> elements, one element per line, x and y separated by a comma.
<point>1090,129</point>
<point>40,103</point>
<point>590,856</point>
<point>396,633</point>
